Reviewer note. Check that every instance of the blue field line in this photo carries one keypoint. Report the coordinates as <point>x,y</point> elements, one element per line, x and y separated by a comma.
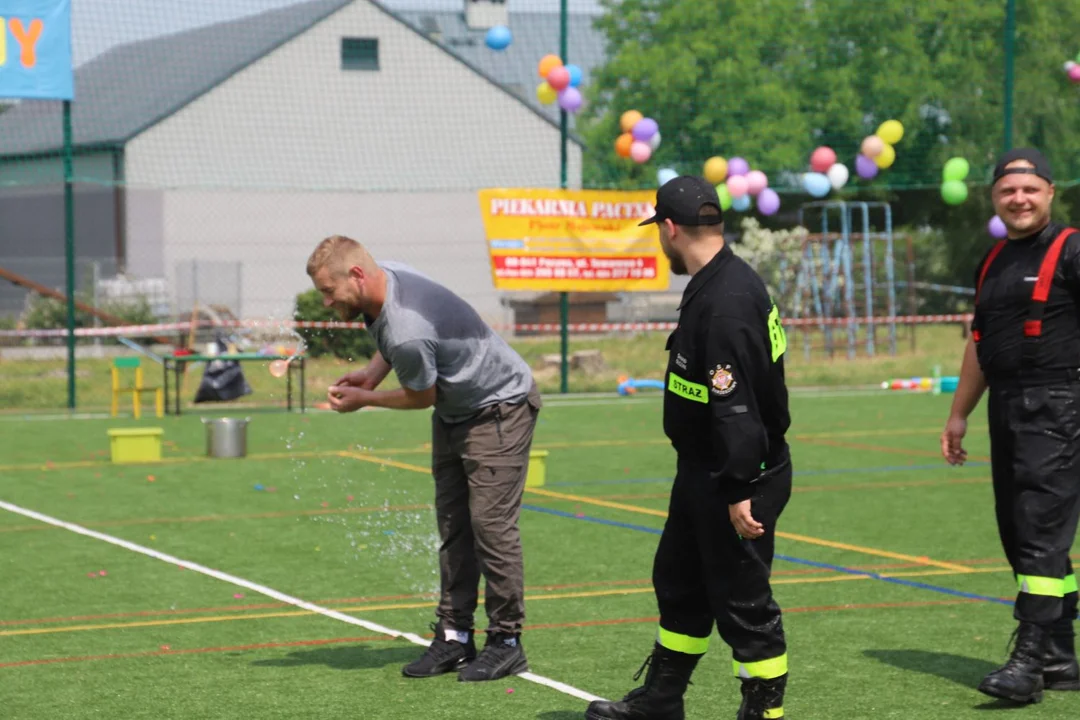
<point>788,558</point>
<point>797,473</point>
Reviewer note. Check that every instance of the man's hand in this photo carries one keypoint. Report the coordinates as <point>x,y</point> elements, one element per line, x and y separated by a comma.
<point>345,398</point>
<point>951,439</point>
<point>744,522</point>
<point>357,378</point>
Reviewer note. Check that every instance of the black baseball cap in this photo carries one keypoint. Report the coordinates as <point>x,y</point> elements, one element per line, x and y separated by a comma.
<point>681,199</point>
<point>1033,156</point>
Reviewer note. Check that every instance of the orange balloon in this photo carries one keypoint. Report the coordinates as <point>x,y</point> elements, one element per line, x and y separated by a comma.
<point>547,63</point>
<point>629,119</point>
<point>623,144</point>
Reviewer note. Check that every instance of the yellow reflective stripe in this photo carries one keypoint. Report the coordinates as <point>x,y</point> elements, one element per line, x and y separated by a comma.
<point>764,669</point>
<point>773,713</point>
<point>1070,585</point>
<point>682,643</point>
<point>686,389</point>
<point>1034,585</point>
<point>777,336</point>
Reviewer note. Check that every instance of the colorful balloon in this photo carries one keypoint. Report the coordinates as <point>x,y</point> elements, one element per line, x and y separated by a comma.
<point>872,146</point>
<point>866,168</point>
<point>1074,73</point>
<point>838,175</point>
<point>886,157</point>
<point>997,228</point>
<point>768,202</point>
<point>570,99</point>
<point>622,145</point>
<point>665,175</point>
<point>546,94</point>
<point>954,192</point>
<point>725,197</point>
<point>629,119</point>
<point>822,159</point>
<point>716,170</point>
<point>741,204</point>
<point>640,151</point>
<point>737,185</point>
<point>816,184</point>
<point>559,78</point>
<point>654,141</point>
<point>737,166</point>
<point>645,129</point>
<point>955,169</point>
<point>756,181</point>
<point>891,131</point>
<point>547,63</point>
<point>498,37</point>
<point>575,75</point>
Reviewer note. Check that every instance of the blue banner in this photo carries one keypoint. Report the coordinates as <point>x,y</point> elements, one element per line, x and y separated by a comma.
<point>35,50</point>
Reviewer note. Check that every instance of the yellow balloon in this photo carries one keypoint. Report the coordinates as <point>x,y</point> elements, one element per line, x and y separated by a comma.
<point>629,119</point>
<point>891,131</point>
<point>715,170</point>
<point>546,94</point>
<point>886,158</point>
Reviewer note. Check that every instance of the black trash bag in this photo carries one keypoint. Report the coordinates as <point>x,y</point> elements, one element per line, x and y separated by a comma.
<point>222,380</point>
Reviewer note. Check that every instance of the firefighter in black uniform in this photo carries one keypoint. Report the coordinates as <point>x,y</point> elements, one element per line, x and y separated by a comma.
<point>1025,348</point>
<point>726,414</point>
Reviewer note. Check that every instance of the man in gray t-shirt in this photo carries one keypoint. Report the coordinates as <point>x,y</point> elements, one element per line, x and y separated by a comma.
<point>485,410</point>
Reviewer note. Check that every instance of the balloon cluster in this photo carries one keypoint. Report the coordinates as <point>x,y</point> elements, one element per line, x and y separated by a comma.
<point>877,151</point>
<point>560,82</point>
<point>1072,69</point>
<point>736,183</point>
<point>640,137</point>
<point>953,189</point>
<point>825,173</point>
<point>498,37</point>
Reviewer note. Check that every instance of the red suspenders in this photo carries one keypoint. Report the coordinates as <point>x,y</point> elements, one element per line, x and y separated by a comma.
<point>1033,325</point>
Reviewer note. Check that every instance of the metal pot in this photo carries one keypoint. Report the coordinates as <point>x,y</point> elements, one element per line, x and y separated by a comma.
<point>226,437</point>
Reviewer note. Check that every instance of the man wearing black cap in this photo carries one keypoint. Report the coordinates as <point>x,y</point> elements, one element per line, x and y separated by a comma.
<point>1025,348</point>
<point>726,414</point>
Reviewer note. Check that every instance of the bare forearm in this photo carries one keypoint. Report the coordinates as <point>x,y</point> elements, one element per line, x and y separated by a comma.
<point>971,386</point>
<point>398,399</point>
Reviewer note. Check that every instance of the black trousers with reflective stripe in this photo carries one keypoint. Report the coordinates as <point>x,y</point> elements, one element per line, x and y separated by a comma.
<point>1035,457</point>
<point>704,574</point>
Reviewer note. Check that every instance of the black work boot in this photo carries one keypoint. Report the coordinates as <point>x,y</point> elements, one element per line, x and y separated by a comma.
<point>762,699</point>
<point>442,656</point>
<point>1061,671</point>
<point>502,655</point>
<point>1021,678</point>
<point>660,698</point>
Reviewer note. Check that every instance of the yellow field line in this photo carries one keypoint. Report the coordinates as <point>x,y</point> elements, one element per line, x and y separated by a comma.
<point>430,603</point>
<point>383,461</point>
<point>881,432</point>
<point>599,503</point>
<point>164,461</point>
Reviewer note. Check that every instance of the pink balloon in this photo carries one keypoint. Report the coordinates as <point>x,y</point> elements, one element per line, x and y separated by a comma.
<point>756,181</point>
<point>872,146</point>
<point>1074,73</point>
<point>822,159</point>
<point>559,77</point>
<point>738,185</point>
<point>640,151</point>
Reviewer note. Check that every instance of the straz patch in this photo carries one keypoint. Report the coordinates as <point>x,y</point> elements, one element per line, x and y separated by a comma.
<point>722,381</point>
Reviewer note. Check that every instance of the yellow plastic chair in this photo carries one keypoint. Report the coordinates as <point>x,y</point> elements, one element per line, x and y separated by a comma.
<point>136,390</point>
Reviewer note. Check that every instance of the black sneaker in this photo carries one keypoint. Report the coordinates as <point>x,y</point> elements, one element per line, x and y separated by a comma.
<point>502,655</point>
<point>442,656</point>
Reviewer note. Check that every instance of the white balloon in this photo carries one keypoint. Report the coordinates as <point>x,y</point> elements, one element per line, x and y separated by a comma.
<point>1069,65</point>
<point>654,141</point>
<point>838,175</point>
<point>666,175</point>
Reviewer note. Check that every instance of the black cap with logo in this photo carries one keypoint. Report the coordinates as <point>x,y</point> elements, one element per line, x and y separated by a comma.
<point>681,199</point>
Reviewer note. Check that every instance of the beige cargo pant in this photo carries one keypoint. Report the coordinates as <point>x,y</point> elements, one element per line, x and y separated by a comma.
<point>479,467</point>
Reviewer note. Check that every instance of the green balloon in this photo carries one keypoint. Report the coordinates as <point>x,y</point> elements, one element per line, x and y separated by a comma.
<point>954,192</point>
<point>725,196</point>
<point>956,169</point>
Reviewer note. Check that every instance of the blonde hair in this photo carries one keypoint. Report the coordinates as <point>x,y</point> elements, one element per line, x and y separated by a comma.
<point>339,253</point>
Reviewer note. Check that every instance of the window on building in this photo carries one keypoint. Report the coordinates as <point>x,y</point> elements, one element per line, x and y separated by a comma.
<point>359,53</point>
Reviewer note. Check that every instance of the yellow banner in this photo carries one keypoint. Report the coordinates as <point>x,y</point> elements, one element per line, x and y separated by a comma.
<point>572,240</point>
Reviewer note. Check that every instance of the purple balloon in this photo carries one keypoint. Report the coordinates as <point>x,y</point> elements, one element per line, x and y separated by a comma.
<point>645,129</point>
<point>865,167</point>
<point>768,202</point>
<point>997,228</point>
<point>570,99</point>
<point>737,166</point>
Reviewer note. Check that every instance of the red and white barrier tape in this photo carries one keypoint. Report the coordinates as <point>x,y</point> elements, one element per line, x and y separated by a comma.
<point>146,330</point>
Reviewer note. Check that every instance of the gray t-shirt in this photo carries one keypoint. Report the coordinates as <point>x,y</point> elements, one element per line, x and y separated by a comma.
<point>430,336</point>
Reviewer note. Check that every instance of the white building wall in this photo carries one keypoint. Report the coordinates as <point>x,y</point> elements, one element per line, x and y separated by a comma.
<point>295,119</point>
